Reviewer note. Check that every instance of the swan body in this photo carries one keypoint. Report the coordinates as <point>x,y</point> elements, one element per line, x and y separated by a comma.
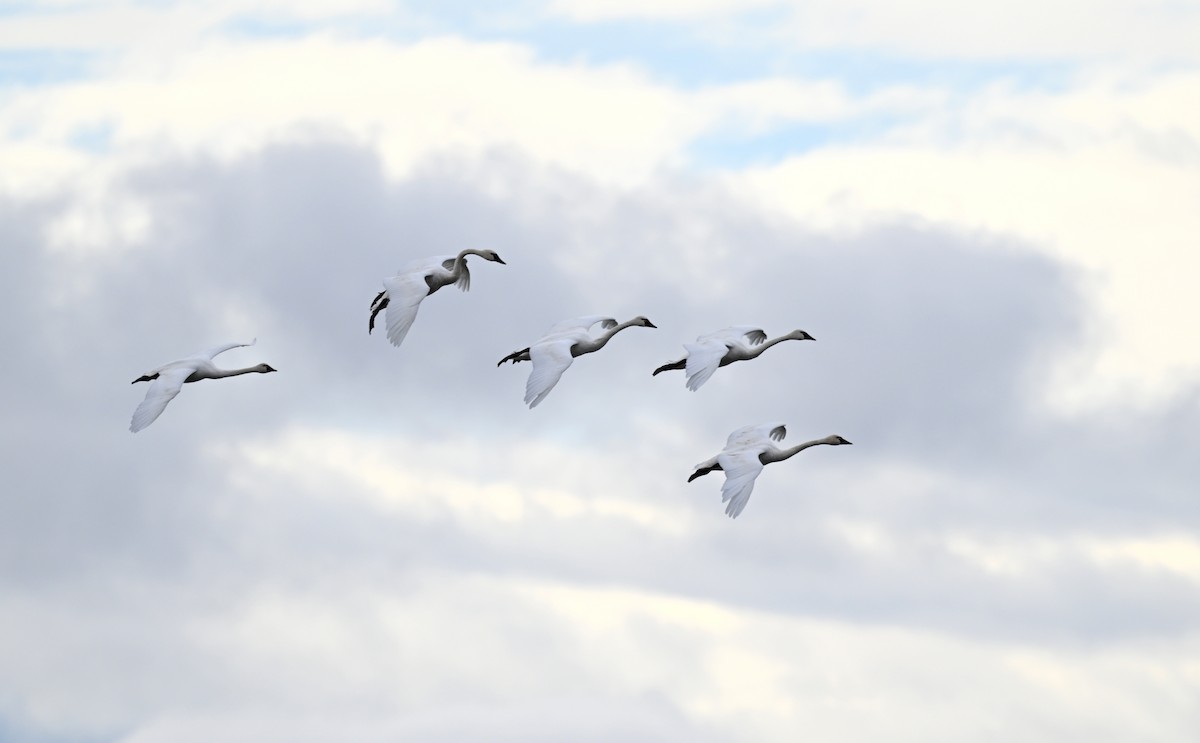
<point>166,380</point>
<point>402,293</point>
<point>746,452</point>
<point>714,350</point>
<point>555,351</point>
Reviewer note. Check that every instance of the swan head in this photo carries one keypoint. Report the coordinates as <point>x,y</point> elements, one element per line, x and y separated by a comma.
<point>800,335</point>
<point>644,322</point>
<point>264,368</point>
<point>491,255</point>
<point>835,440</point>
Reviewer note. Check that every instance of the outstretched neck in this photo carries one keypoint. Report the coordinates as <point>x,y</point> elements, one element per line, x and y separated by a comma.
<point>778,455</point>
<point>220,373</point>
<point>764,346</point>
<point>589,346</point>
<point>606,336</point>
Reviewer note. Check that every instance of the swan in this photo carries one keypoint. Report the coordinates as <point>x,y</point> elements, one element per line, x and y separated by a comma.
<point>746,452</point>
<point>168,378</point>
<point>737,343</point>
<point>555,351</point>
<point>403,293</point>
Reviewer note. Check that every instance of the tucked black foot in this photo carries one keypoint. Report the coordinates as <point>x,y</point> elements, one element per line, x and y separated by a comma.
<point>515,357</point>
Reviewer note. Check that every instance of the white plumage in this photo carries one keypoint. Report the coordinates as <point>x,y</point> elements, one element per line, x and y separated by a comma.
<point>747,451</point>
<point>554,352</point>
<point>402,294</point>
<point>723,347</point>
<point>166,380</point>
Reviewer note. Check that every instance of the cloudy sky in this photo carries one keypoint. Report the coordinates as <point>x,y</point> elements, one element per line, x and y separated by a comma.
<point>987,216</point>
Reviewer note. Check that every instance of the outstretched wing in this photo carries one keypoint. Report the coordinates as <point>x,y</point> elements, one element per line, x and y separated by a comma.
<point>550,359</point>
<point>758,433</point>
<point>582,323</point>
<point>405,293</point>
<point>211,353</point>
<point>163,390</point>
<point>703,358</point>
<point>741,469</point>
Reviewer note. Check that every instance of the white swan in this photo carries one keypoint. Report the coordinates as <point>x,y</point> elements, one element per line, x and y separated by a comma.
<point>746,452</point>
<point>737,343</point>
<point>166,380</point>
<point>555,351</point>
<point>402,293</point>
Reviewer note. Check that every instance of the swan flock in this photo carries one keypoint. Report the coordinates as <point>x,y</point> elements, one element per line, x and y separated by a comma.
<point>747,450</point>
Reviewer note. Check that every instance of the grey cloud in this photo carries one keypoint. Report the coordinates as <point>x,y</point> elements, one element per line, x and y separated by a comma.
<point>929,343</point>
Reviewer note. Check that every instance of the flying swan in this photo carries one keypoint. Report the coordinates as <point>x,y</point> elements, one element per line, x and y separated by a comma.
<point>166,380</point>
<point>402,293</point>
<point>746,452</point>
<point>555,351</point>
<point>712,351</point>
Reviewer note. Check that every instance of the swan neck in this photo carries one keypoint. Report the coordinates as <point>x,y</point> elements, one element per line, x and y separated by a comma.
<point>607,335</point>
<point>778,455</point>
<point>591,346</point>
<point>461,258</point>
<point>220,373</point>
<point>767,344</point>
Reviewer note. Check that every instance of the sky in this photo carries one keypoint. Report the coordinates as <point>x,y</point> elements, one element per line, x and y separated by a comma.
<point>985,215</point>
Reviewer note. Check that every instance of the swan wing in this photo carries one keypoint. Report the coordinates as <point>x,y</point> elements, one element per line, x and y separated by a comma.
<point>756,336</point>
<point>211,353</point>
<point>703,358</point>
<point>758,433</point>
<point>582,323</point>
<point>405,293</point>
<point>741,468</point>
<point>464,279</point>
<point>163,390</point>
<point>424,266</point>
<point>550,359</point>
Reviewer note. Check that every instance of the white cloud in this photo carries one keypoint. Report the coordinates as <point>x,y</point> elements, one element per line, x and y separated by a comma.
<point>1103,176</point>
<point>449,656</point>
<point>428,480</point>
<point>485,569</point>
<point>436,95</point>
